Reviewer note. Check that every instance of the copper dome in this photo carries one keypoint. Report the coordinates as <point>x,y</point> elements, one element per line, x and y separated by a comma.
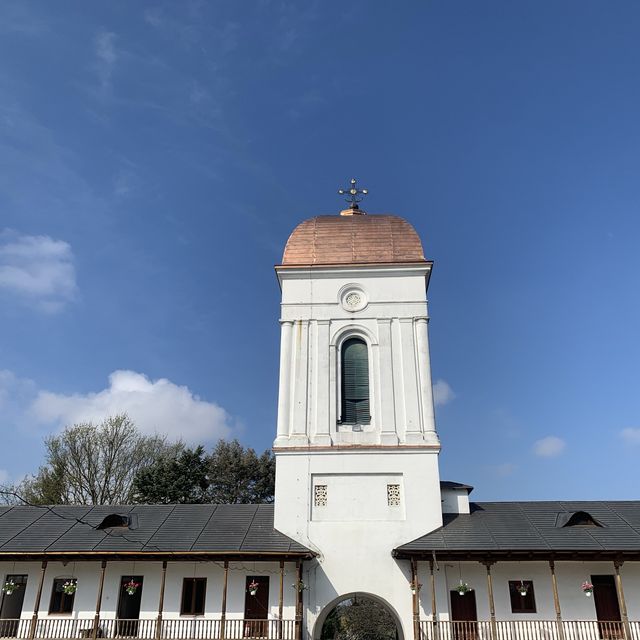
<point>353,239</point>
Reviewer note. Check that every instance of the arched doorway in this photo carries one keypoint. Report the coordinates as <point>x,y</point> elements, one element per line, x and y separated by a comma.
<point>358,616</point>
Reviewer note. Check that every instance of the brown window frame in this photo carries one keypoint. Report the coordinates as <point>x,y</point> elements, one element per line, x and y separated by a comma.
<point>66,599</point>
<point>193,609</point>
<point>522,604</point>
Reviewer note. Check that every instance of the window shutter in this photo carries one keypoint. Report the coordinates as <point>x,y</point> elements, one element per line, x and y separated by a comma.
<point>355,382</point>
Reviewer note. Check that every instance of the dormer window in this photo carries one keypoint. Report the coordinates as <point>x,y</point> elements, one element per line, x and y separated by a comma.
<point>115,520</point>
<point>577,519</point>
<point>355,382</point>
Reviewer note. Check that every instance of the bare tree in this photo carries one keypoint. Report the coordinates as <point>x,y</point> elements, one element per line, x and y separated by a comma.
<point>93,464</point>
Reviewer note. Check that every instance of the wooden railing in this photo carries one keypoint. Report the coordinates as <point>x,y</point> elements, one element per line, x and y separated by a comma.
<point>209,629</point>
<point>14,628</point>
<point>529,630</point>
<point>170,629</point>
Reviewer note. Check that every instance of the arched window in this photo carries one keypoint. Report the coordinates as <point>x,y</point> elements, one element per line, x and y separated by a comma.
<point>355,382</point>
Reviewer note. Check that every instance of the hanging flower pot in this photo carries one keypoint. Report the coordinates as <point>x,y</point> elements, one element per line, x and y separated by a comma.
<point>253,587</point>
<point>299,586</point>
<point>522,588</point>
<point>587,588</point>
<point>70,587</point>
<point>415,587</point>
<point>131,587</point>
<point>463,588</point>
<point>9,587</point>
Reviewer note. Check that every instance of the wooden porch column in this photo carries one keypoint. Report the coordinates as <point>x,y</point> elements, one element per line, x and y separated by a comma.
<point>556,599</point>
<point>281,599</point>
<point>434,610</point>
<point>492,606</point>
<point>96,618</point>
<point>223,616</point>
<point>623,604</point>
<point>415,599</point>
<point>36,606</point>
<point>161,600</point>
<point>299,601</point>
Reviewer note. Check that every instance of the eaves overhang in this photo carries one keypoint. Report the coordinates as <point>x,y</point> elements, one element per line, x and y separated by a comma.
<point>519,555</point>
<point>204,556</point>
<point>422,268</point>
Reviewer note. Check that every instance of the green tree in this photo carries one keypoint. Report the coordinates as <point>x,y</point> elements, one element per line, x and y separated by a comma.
<point>113,463</point>
<point>238,475</point>
<point>93,464</point>
<point>181,478</point>
<point>230,474</point>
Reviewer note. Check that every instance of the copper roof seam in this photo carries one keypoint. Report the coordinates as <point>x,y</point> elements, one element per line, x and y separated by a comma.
<point>353,240</point>
<point>315,236</point>
<point>393,244</point>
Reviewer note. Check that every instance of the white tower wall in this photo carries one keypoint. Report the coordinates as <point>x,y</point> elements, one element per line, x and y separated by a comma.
<point>354,492</point>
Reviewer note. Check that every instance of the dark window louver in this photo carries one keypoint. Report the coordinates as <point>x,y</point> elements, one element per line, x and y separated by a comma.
<point>114,520</point>
<point>355,382</point>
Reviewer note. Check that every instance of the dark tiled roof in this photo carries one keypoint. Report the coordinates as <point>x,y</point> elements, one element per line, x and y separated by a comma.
<point>160,529</point>
<point>448,484</point>
<point>532,527</point>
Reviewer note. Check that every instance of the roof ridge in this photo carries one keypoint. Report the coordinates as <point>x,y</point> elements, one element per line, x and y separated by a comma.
<point>246,533</point>
<point>534,527</point>
<point>24,528</point>
<point>205,525</point>
<point>173,508</point>
<point>88,510</point>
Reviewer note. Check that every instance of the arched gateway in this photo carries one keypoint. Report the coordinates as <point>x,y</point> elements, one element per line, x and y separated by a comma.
<point>358,616</point>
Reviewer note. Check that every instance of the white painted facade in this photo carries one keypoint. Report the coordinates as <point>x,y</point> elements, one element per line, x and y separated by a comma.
<point>87,574</point>
<point>356,464</point>
<point>570,575</point>
<point>392,318</point>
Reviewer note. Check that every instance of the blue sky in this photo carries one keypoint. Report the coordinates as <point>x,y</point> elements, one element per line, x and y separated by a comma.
<point>154,158</point>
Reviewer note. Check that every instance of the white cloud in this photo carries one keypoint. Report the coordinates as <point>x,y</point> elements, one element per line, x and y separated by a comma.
<point>505,469</point>
<point>123,183</point>
<point>197,93</point>
<point>549,447</point>
<point>18,17</point>
<point>153,17</point>
<point>442,393</point>
<point>107,56</point>
<point>156,406</point>
<point>631,435</point>
<point>14,392</point>
<point>38,269</point>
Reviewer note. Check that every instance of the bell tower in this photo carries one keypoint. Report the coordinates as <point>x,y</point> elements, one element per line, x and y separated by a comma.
<point>354,360</point>
<point>356,446</point>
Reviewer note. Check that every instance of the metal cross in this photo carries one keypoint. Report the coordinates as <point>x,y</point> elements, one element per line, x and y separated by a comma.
<point>353,192</point>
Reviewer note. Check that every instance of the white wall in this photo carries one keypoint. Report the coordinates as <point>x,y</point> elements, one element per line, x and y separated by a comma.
<point>455,501</point>
<point>371,570</point>
<point>355,550</point>
<point>570,575</point>
<point>357,529</point>
<point>393,323</point>
<point>88,573</point>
